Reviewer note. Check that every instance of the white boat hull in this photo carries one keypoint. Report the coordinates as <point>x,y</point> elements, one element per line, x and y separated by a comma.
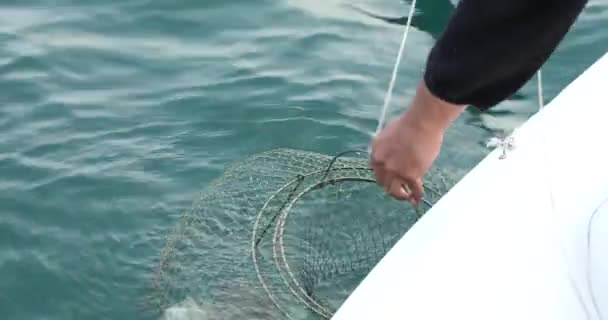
<point>509,241</point>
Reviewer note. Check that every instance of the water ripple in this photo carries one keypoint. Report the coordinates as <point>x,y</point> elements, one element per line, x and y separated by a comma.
<point>115,115</point>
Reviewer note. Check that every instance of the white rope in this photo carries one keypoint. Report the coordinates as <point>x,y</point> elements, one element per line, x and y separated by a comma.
<point>389,93</point>
<point>588,269</point>
<point>545,165</point>
<point>541,100</point>
<point>278,234</point>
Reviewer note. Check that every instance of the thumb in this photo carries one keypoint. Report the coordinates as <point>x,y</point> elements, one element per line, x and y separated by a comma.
<point>397,189</point>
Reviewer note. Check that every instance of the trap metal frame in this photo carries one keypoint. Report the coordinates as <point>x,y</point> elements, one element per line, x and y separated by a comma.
<point>336,172</point>
<point>285,233</point>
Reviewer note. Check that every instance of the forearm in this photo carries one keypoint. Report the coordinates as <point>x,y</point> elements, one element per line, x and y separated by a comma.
<point>429,113</point>
<point>490,49</point>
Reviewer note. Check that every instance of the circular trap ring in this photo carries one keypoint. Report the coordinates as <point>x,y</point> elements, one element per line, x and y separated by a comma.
<point>337,172</point>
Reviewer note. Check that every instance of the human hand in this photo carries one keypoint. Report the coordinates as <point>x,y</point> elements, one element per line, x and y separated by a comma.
<point>401,155</point>
<point>406,148</point>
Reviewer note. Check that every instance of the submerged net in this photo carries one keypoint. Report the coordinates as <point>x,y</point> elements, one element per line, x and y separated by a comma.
<point>286,234</point>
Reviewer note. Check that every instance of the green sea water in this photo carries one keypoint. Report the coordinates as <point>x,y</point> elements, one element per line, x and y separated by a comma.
<point>115,115</point>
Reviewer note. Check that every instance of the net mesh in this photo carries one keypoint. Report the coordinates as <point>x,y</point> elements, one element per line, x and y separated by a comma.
<point>285,234</point>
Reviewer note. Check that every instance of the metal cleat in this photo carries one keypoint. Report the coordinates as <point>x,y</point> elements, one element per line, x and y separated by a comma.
<point>504,143</point>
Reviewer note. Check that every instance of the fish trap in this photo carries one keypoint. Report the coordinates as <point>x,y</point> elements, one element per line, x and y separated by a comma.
<point>285,234</point>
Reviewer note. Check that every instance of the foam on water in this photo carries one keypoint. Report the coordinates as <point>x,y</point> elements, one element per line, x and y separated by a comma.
<point>186,310</point>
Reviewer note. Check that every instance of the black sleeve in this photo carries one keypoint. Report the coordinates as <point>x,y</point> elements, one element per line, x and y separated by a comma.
<point>491,48</point>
